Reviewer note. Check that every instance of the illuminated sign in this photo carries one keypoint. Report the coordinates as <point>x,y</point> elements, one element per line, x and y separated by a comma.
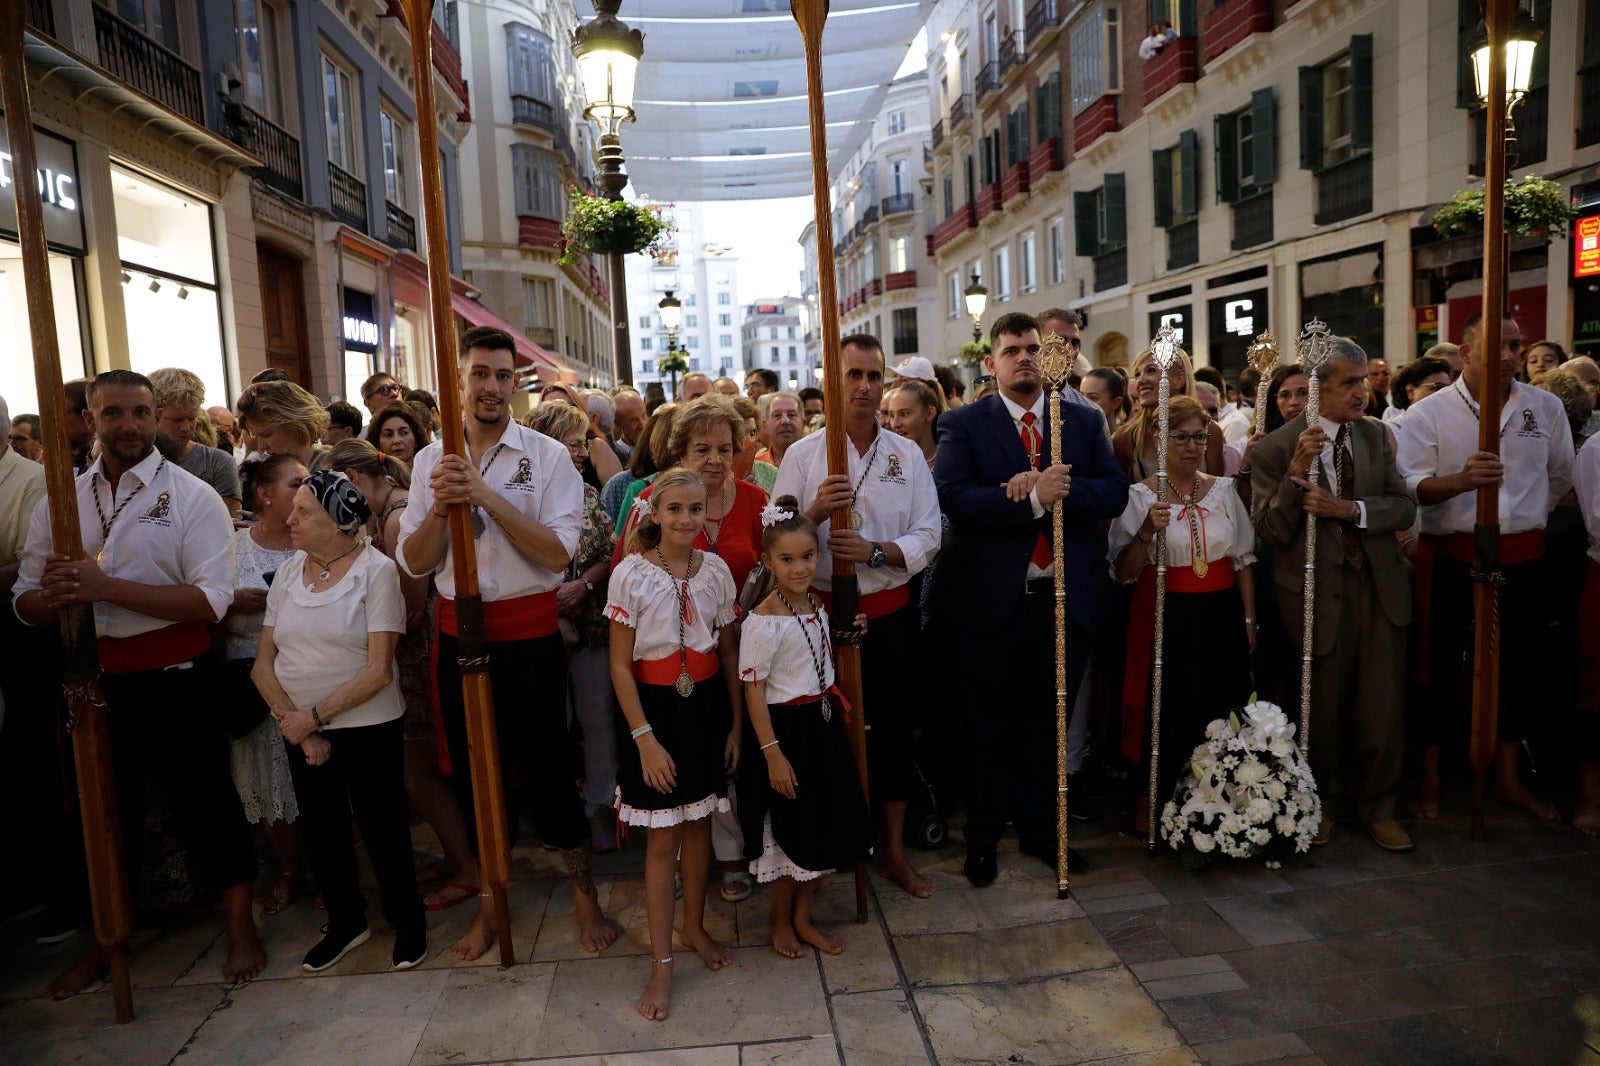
<point>360,331</point>
<point>1586,247</point>
<point>1177,318</point>
<point>360,322</point>
<point>1238,317</point>
<point>58,190</point>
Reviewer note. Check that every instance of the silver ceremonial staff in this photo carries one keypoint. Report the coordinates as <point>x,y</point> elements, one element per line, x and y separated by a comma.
<point>1313,349</point>
<point>1164,350</point>
<point>1263,358</point>
<point>1055,363</point>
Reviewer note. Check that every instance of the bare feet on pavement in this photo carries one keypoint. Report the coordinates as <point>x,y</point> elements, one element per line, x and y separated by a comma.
<point>1520,798</point>
<point>657,996</point>
<point>478,938</point>
<point>784,942</point>
<point>902,873</point>
<point>246,957</point>
<point>713,954</point>
<point>596,930</point>
<point>90,968</point>
<point>1586,819</point>
<point>823,942</point>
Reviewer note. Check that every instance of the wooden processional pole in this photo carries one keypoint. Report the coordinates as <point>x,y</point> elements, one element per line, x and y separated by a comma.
<point>488,799</point>
<point>86,709</point>
<point>810,15</point>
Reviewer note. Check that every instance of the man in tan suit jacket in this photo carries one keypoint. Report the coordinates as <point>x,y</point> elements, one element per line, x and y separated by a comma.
<point>1363,596</point>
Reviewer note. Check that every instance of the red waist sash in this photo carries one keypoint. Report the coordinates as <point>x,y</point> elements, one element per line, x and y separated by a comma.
<point>702,666</point>
<point>155,650</point>
<point>521,618</point>
<point>1219,576</point>
<point>1514,547</point>
<point>832,693</point>
<point>874,604</point>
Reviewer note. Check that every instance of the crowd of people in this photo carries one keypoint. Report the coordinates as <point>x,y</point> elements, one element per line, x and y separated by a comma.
<point>274,589</point>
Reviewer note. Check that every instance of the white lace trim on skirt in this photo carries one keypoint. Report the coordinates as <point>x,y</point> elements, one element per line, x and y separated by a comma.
<point>667,816</point>
<point>774,864</point>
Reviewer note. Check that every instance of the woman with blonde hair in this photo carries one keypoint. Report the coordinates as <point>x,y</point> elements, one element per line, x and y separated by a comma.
<point>1135,442</point>
<point>280,417</point>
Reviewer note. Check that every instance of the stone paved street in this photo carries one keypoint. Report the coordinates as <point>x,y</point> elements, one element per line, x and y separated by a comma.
<point>1456,953</point>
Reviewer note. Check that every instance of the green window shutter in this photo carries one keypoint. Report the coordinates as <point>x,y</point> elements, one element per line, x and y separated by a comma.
<point>1116,194</point>
<point>1085,234</point>
<point>1041,132</point>
<point>1189,168</point>
<point>1161,175</point>
<point>1467,16</point>
<point>1361,91</point>
<point>1310,118</point>
<point>1264,136</point>
<point>1022,132</point>
<point>1226,148</point>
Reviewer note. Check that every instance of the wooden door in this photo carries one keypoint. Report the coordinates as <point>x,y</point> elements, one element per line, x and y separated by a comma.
<point>283,312</point>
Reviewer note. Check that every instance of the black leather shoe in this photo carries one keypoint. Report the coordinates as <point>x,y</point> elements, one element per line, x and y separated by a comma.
<point>1076,863</point>
<point>981,867</point>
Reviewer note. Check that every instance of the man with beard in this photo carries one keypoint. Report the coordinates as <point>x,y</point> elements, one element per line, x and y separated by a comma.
<point>893,534</point>
<point>157,570</point>
<point>995,586</point>
<point>527,508</point>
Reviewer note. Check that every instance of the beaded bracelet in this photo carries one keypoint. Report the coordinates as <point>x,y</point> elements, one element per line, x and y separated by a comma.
<point>642,730</point>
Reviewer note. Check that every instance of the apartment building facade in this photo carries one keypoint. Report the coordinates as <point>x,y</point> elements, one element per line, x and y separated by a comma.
<point>704,278</point>
<point>1277,159</point>
<point>772,336</point>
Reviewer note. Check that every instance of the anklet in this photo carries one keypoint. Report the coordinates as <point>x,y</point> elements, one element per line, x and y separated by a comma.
<point>663,962</point>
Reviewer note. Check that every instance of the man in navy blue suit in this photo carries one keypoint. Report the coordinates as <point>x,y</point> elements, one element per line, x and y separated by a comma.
<point>995,584</point>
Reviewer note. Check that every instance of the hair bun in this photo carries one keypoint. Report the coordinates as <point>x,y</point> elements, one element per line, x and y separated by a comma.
<point>787,503</point>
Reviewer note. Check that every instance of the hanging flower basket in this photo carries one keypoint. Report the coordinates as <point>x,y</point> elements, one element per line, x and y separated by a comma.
<point>600,226</point>
<point>972,352</point>
<point>1535,206</point>
<point>672,363</point>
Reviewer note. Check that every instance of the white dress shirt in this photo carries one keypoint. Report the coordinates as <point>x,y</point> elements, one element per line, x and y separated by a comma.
<point>175,532</point>
<point>897,501</point>
<point>1441,431</point>
<point>1016,411</point>
<point>1330,469</point>
<point>21,489</point>
<point>536,474</point>
<point>1224,525</point>
<point>1586,479</point>
<point>1236,427</point>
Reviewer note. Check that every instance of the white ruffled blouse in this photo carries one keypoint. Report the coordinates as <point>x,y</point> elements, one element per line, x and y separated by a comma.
<point>645,598</point>
<point>772,648</point>
<point>1224,526</point>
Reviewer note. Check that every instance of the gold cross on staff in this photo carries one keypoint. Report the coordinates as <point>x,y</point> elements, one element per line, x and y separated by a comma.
<point>1263,354</point>
<point>1055,362</point>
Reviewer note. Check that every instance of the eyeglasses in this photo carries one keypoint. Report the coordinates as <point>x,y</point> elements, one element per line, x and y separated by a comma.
<point>578,445</point>
<point>1183,440</point>
<point>391,389</point>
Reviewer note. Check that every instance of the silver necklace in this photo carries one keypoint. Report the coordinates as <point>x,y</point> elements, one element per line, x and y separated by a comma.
<point>327,568</point>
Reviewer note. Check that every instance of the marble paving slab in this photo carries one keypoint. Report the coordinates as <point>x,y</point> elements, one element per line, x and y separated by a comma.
<point>878,1029</point>
<point>1003,954</point>
<point>83,1031</point>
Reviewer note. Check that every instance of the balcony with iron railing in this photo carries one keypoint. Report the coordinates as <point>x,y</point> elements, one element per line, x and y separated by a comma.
<point>347,197</point>
<point>402,228</point>
<point>1043,17</point>
<point>1344,190</point>
<point>1111,269</point>
<point>1252,221</point>
<point>937,136</point>
<point>143,63</point>
<point>278,149</point>
<point>960,110</point>
<point>530,111</point>
<point>869,217</point>
<point>1013,53</point>
<point>988,79</point>
<point>898,204</point>
<point>1183,245</point>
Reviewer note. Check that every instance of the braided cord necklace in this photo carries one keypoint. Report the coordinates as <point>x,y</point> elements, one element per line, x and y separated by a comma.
<point>685,683</point>
<point>107,523</point>
<point>816,658</point>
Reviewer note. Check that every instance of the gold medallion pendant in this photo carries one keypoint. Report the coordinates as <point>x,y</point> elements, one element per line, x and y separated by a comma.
<point>856,521</point>
<point>685,684</point>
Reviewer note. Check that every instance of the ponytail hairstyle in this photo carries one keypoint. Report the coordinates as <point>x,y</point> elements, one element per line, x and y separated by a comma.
<point>646,532</point>
<point>354,453</point>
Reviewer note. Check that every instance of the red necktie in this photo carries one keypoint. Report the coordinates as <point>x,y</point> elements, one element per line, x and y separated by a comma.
<point>1033,444</point>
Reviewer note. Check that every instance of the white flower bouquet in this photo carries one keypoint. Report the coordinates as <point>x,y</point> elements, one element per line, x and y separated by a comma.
<point>1248,793</point>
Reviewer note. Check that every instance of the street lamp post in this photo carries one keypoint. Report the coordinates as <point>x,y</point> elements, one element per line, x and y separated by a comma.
<point>977,298</point>
<point>671,316</point>
<point>608,54</point>
<point>1502,66</point>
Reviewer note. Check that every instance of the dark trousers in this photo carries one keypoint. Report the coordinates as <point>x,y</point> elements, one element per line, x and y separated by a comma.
<point>528,679</point>
<point>365,774</point>
<point>1010,737</point>
<point>166,737</point>
<point>888,651</point>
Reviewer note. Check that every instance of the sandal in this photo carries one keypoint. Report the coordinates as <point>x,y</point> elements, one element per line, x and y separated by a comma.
<point>283,890</point>
<point>442,902</point>
<point>434,872</point>
<point>736,886</point>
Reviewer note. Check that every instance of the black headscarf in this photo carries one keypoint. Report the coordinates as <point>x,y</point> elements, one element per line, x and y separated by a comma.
<point>340,498</point>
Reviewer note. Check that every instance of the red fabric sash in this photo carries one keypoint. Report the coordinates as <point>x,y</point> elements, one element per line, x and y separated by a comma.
<point>833,692</point>
<point>522,618</point>
<point>1589,643</point>
<point>878,604</point>
<point>1514,548</point>
<point>155,650</point>
<point>1141,641</point>
<point>702,666</point>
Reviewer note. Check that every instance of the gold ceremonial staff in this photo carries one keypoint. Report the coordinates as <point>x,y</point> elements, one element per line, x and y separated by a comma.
<point>1263,358</point>
<point>86,708</point>
<point>1164,350</point>
<point>1054,366</point>
<point>1313,347</point>
<point>810,15</point>
<point>488,799</point>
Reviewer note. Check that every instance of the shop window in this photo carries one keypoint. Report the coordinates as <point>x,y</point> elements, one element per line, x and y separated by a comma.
<point>339,113</point>
<point>17,383</point>
<point>1096,53</point>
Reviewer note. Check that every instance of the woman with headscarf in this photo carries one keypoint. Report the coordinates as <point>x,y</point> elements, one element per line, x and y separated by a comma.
<point>325,666</point>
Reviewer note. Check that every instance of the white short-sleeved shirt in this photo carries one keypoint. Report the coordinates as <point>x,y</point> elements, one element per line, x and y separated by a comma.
<point>1224,521</point>
<point>176,531</point>
<point>1441,431</point>
<point>321,636</point>
<point>773,649</point>
<point>898,502</point>
<point>1586,479</point>
<point>536,474</point>
<point>644,598</point>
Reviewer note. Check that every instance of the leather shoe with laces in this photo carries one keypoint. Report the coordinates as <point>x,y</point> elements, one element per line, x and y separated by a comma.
<point>981,867</point>
<point>1390,835</point>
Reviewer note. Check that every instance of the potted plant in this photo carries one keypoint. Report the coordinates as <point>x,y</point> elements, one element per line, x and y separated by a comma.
<point>601,226</point>
<point>1535,207</point>
<point>972,352</point>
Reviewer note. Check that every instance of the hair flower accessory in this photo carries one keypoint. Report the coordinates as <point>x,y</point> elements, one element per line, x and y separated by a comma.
<point>772,514</point>
<point>643,507</point>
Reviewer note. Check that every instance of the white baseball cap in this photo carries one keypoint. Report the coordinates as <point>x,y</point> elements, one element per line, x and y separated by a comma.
<point>915,367</point>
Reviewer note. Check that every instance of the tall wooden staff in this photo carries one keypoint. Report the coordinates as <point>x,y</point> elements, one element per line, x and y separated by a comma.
<point>1055,364</point>
<point>1263,358</point>
<point>91,747</point>
<point>1486,573</point>
<point>810,15</point>
<point>1164,350</point>
<point>488,798</point>
<point>1313,348</point>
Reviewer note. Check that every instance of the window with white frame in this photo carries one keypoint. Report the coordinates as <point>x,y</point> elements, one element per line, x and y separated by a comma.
<point>724,320</point>
<point>536,185</point>
<point>644,344</point>
<point>1058,250</point>
<point>725,340</point>
<point>1096,52</point>
<point>691,321</point>
<point>538,305</point>
<point>899,254</point>
<point>1025,263</point>
<point>1002,274</point>
<point>646,321</point>
<point>724,299</point>
<point>262,30</point>
<point>396,155</point>
<point>1336,124</point>
<point>339,111</point>
<point>954,306</point>
<point>897,122</point>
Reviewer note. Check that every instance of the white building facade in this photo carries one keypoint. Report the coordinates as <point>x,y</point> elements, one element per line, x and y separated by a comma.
<point>704,278</point>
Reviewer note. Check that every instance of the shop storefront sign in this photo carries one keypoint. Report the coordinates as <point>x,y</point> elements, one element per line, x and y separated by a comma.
<point>360,327</point>
<point>1586,246</point>
<point>1180,319</point>
<point>1235,320</point>
<point>57,180</point>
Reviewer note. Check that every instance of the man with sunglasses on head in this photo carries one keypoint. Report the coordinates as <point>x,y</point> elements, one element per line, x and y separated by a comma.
<point>526,500</point>
<point>379,391</point>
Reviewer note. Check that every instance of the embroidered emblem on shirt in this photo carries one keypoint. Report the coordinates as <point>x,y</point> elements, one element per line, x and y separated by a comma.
<point>1529,423</point>
<point>524,475</point>
<point>892,471</point>
<point>159,510</point>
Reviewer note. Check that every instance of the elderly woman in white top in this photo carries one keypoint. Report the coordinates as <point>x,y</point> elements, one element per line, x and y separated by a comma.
<point>325,665</point>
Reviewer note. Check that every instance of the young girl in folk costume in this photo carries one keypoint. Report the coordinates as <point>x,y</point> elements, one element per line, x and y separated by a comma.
<point>816,817</point>
<point>671,610</point>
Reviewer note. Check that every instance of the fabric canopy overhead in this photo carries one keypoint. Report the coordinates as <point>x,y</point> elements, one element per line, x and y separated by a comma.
<point>721,92</point>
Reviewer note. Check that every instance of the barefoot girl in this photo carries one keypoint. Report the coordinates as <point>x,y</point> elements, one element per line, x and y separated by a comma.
<point>817,820</point>
<point>671,610</point>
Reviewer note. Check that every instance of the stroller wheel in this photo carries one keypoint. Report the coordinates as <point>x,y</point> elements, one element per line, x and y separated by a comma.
<point>928,830</point>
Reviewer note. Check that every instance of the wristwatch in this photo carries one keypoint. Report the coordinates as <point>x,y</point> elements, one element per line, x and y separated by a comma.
<point>878,558</point>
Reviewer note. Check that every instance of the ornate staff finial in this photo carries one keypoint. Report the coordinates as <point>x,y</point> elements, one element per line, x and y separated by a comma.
<point>1055,361</point>
<point>1164,349</point>
<point>1263,354</point>
<point>1313,344</point>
